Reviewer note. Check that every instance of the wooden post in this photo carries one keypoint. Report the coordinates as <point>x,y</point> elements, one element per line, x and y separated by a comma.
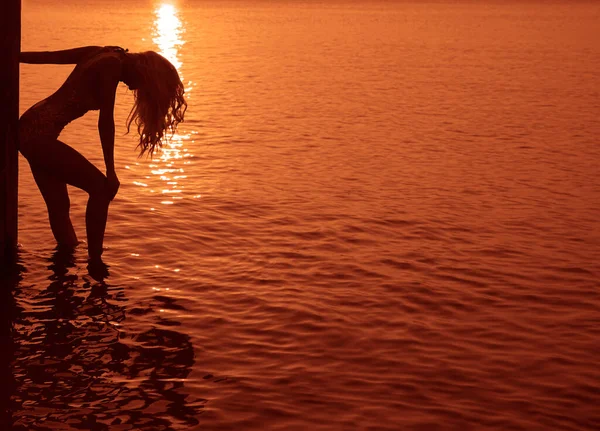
<point>10,47</point>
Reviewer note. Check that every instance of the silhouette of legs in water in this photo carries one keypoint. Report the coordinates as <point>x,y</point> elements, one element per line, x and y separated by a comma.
<point>54,165</point>
<point>57,201</point>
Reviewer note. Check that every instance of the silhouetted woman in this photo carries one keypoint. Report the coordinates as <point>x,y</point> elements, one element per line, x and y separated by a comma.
<point>159,106</point>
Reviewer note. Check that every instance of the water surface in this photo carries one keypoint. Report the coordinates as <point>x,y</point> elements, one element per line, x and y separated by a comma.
<point>377,216</point>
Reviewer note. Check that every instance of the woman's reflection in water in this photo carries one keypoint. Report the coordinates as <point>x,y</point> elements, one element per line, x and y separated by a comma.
<point>75,367</point>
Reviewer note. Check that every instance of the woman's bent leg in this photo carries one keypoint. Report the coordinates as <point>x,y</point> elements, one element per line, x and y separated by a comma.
<point>96,215</point>
<point>65,165</point>
<point>57,201</point>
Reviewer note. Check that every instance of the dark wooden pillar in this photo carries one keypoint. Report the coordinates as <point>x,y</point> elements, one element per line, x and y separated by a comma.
<point>10,47</point>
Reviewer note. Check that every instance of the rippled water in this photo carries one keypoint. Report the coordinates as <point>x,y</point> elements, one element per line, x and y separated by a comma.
<point>377,216</point>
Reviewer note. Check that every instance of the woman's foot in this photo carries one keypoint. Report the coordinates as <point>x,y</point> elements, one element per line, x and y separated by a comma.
<point>97,269</point>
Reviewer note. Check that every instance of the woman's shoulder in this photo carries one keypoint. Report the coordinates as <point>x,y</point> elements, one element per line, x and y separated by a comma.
<point>105,59</point>
<point>104,66</point>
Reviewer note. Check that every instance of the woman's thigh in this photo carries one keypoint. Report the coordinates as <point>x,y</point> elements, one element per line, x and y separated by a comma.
<point>53,158</point>
<point>53,190</point>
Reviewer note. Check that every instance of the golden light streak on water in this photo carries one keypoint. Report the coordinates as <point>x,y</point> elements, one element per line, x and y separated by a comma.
<point>168,32</point>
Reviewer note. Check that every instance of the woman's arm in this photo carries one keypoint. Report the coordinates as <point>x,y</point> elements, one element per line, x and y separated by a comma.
<point>106,126</point>
<point>66,56</point>
<point>106,129</point>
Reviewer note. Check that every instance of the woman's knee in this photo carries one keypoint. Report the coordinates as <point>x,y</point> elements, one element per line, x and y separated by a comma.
<point>99,192</point>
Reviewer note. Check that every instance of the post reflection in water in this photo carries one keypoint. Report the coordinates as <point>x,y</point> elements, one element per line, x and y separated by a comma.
<point>168,167</point>
<point>68,363</point>
<point>9,279</point>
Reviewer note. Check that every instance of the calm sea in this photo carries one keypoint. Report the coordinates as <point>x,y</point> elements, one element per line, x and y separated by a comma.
<point>376,216</point>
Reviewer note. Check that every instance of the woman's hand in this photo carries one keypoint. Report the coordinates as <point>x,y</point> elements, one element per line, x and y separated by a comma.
<point>113,184</point>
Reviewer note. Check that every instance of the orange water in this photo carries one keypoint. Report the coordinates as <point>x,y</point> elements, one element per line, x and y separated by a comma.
<point>377,216</point>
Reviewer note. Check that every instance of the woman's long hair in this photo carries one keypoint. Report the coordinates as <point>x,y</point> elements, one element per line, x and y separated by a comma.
<point>159,105</point>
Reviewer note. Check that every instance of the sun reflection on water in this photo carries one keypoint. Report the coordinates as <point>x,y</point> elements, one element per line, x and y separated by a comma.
<point>168,36</point>
<point>168,31</point>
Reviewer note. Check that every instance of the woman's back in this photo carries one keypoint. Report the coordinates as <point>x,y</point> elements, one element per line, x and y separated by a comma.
<point>78,95</point>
